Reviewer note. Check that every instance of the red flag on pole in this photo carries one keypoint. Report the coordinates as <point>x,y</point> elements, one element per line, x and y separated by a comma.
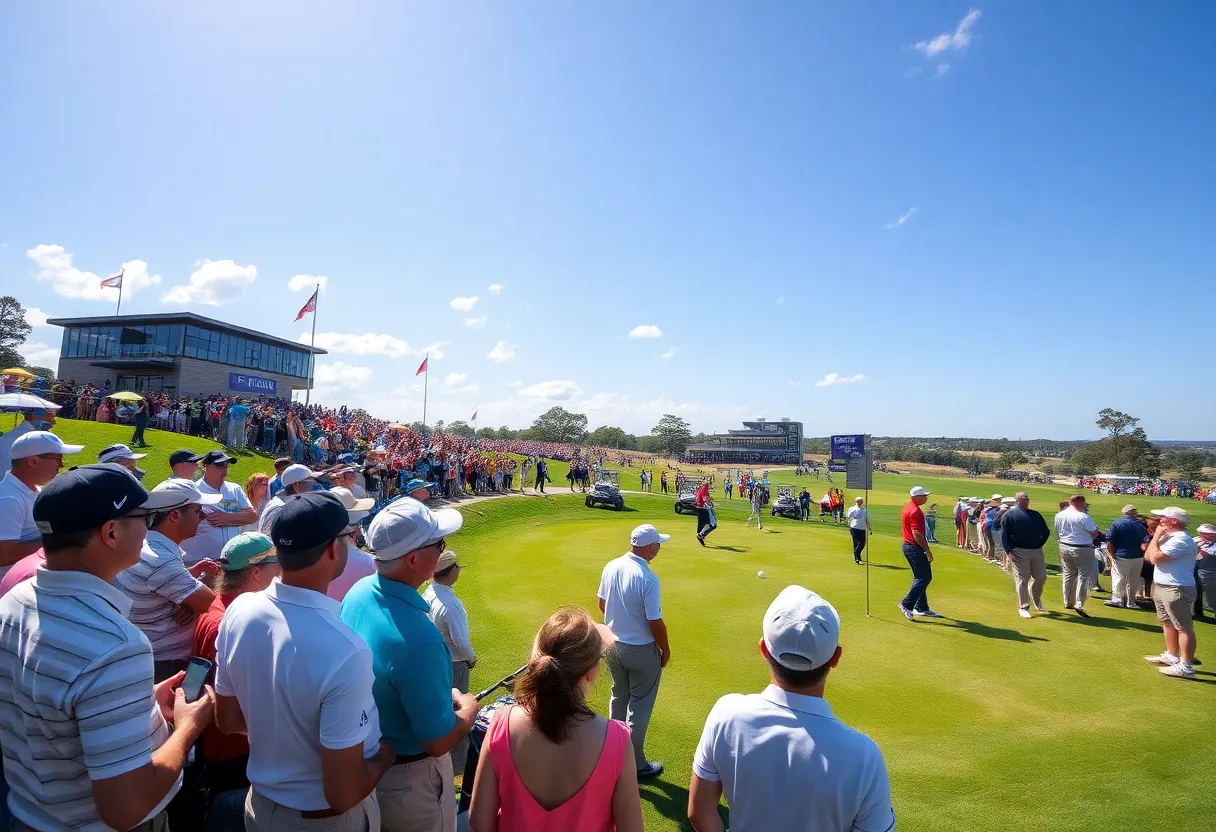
<point>114,282</point>
<point>474,419</point>
<point>422,366</point>
<point>311,306</point>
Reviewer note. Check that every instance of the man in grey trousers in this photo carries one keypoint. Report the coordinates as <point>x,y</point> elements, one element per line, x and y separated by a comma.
<point>629,599</point>
<point>1076,532</point>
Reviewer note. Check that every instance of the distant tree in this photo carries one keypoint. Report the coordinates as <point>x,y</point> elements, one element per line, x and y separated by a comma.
<point>1008,459</point>
<point>49,374</point>
<point>607,436</point>
<point>13,331</point>
<point>1189,464</point>
<point>673,433</point>
<point>358,412</point>
<point>559,425</point>
<point>1116,424</point>
<point>459,428</point>
<point>418,428</point>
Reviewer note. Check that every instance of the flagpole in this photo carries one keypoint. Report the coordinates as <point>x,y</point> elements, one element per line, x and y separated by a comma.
<point>426,375</point>
<point>120,276</point>
<point>312,343</point>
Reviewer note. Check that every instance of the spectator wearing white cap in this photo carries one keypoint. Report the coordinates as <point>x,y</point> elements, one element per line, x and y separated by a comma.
<point>1205,569</point>
<point>120,454</point>
<point>1173,552</point>
<point>359,564</point>
<point>1124,544</point>
<point>629,600</point>
<point>224,520</point>
<point>781,757</point>
<point>452,620</point>
<point>166,597</point>
<point>40,420</point>
<point>298,682</point>
<point>86,741</point>
<point>1076,532</point>
<point>916,551</point>
<point>296,479</point>
<point>37,458</point>
<point>422,715</point>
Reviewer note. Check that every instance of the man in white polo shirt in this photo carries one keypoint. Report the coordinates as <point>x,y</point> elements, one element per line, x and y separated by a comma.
<point>40,420</point>
<point>224,520</point>
<point>298,682</point>
<point>1076,532</point>
<point>160,584</point>
<point>859,526</point>
<point>781,757</point>
<point>629,599</point>
<point>37,458</point>
<point>296,479</point>
<point>1173,553</point>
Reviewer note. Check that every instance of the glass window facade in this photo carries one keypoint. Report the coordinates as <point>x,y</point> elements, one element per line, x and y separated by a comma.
<point>168,340</point>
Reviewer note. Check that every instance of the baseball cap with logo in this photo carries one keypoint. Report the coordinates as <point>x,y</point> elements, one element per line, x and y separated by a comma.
<point>247,549</point>
<point>406,525</point>
<point>183,455</point>
<point>1174,513</point>
<point>84,498</point>
<point>801,629</point>
<point>646,534</point>
<point>175,493</point>
<point>38,442</point>
<point>919,491</point>
<point>310,520</point>
<point>218,458</point>
<point>358,508</point>
<point>117,451</point>
<point>296,474</point>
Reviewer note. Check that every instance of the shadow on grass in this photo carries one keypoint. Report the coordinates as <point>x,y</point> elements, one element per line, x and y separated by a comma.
<point>1105,623</point>
<point>731,548</point>
<point>975,628</point>
<point>888,566</point>
<point>671,801</point>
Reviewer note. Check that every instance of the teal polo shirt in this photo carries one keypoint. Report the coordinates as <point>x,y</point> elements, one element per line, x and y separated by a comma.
<point>411,662</point>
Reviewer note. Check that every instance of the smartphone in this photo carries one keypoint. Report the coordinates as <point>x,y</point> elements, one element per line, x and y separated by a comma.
<point>196,674</point>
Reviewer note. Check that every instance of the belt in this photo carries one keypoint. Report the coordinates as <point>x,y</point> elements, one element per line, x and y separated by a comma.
<point>320,814</point>
<point>403,759</point>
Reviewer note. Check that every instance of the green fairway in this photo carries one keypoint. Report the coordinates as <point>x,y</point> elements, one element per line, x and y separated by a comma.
<point>987,721</point>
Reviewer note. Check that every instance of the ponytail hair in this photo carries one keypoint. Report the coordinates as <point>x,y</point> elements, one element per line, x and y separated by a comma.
<point>567,648</point>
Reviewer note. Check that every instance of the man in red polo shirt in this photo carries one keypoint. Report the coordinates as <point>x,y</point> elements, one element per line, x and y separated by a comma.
<point>249,564</point>
<point>916,549</point>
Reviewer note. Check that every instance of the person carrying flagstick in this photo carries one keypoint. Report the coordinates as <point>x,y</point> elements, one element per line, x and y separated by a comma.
<point>311,306</point>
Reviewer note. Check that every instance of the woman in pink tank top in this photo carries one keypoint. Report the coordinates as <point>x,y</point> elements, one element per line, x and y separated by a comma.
<point>549,763</point>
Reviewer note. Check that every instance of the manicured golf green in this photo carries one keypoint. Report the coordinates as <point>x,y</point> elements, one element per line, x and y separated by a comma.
<point>987,721</point>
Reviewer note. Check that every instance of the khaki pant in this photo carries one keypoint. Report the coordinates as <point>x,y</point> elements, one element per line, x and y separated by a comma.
<point>973,539</point>
<point>460,754</point>
<point>264,815</point>
<point>418,797</point>
<point>1080,569</point>
<point>1029,576</point>
<point>1125,575</point>
<point>1175,606</point>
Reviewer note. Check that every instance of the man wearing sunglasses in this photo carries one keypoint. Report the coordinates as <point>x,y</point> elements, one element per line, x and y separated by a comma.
<point>224,520</point>
<point>165,595</point>
<point>423,717</point>
<point>37,457</point>
<point>96,751</point>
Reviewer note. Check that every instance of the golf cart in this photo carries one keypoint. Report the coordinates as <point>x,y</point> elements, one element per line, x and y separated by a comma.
<point>606,491</point>
<point>686,500</point>
<point>786,504</point>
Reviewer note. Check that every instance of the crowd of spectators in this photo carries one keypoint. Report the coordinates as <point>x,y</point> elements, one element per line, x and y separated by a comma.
<point>1159,487</point>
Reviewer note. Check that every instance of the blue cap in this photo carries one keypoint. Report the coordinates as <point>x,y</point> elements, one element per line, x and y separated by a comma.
<point>414,485</point>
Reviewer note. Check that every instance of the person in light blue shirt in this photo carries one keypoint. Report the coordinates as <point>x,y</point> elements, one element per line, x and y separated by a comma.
<point>421,716</point>
<point>237,413</point>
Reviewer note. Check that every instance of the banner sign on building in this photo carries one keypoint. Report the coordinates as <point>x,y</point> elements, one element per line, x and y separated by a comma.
<point>241,383</point>
<point>844,448</point>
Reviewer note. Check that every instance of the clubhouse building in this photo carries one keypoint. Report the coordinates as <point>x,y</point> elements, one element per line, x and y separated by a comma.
<point>758,443</point>
<point>181,353</point>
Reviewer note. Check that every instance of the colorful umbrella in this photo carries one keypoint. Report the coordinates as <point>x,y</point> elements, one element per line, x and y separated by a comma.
<point>16,371</point>
<point>25,401</point>
<point>125,396</point>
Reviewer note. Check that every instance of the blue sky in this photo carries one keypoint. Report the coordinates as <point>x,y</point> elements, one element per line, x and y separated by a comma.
<point>889,217</point>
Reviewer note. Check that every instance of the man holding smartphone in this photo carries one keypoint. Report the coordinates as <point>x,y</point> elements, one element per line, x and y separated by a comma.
<point>98,750</point>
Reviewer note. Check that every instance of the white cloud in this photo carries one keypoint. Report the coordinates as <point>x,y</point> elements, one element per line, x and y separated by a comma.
<point>35,316</point>
<point>670,353</point>
<point>903,218</point>
<point>502,352</point>
<point>456,379</point>
<point>37,354</point>
<point>833,378</point>
<point>795,384</point>
<point>213,283</point>
<point>941,70</point>
<point>308,281</point>
<point>339,375</point>
<point>495,289</point>
<point>645,331</point>
<point>476,323</point>
<point>463,304</point>
<point>433,350</point>
<point>369,343</point>
<point>960,38</point>
<point>55,267</point>
<point>558,390</point>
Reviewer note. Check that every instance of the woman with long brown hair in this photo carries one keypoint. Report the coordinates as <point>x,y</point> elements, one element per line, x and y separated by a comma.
<point>257,489</point>
<point>549,762</point>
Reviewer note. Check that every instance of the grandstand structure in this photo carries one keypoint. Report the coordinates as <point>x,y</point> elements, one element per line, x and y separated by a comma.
<point>759,443</point>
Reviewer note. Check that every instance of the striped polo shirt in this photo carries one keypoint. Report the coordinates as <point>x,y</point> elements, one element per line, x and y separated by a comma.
<point>157,586</point>
<point>76,701</point>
